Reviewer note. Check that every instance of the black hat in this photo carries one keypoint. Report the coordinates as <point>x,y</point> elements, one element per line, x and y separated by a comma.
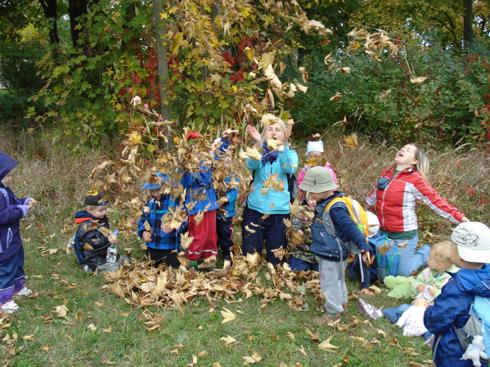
<point>94,198</point>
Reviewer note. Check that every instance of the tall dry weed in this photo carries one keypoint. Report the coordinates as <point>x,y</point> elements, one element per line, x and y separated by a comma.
<point>57,177</point>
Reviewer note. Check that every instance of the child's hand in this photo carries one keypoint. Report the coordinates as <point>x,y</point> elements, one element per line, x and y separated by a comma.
<point>253,133</point>
<point>146,236</point>
<point>366,258</point>
<point>420,288</point>
<point>431,290</point>
<point>420,302</point>
<point>166,228</point>
<point>32,202</point>
<point>112,239</point>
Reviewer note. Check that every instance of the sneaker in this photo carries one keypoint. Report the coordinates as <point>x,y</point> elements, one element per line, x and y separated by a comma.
<point>226,264</point>
<point>369,310</point>
<point>24,292</point>
<point>9,307</point>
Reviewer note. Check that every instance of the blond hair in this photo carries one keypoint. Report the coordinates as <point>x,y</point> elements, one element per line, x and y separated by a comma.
<point>442,252</point>
<point>423,164</point>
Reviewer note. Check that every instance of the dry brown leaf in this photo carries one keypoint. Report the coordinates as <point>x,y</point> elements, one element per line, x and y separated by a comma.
<point>92,327</point>
<point>418,79</point>
<point>228,340</point>
<point>227,315</point>
<point>327,346</point>
<point>254,358</point>
<point>61,311</point>
<point>351,141</point>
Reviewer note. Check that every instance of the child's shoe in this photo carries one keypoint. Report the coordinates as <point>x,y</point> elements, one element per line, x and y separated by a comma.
<point>24,292</point>
<point>9,307</point>
<point>369,310</point>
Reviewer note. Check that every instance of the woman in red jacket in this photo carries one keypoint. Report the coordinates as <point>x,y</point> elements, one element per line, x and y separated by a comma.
<point>395,198</point>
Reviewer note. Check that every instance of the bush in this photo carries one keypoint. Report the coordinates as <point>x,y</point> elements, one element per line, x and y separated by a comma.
<point>379,99</point>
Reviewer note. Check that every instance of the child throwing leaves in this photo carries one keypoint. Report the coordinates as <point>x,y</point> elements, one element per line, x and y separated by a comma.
<point>162,242</point>
<point>201,206</point>
<point>268,202</point>
<point>12,210</point>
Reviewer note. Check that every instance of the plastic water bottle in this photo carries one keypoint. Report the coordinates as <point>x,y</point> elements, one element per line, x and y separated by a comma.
<point>111,256</point>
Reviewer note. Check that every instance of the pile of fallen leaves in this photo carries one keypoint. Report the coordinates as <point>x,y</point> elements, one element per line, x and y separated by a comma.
<point>142,285</point>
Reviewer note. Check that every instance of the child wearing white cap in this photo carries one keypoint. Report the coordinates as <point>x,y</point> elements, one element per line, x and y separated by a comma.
<point>314,157</point>
<point>470,250</point>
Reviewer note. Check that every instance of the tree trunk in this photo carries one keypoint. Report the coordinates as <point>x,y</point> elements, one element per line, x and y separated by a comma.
<point>468,23</point>
<point>76,9</point>
<point>51,13</point>
<point>160,31</point>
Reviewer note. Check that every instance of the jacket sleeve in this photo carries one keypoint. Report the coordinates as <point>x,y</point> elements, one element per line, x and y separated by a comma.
<point>232,195</point>
<point>447,308</point>
<point>141,226</point>
<point>424,192</point>
<point>9,214</point>
<point>288,160</point>
<point>253,164</point>
<point>345,227</point>
<point>371,198</point>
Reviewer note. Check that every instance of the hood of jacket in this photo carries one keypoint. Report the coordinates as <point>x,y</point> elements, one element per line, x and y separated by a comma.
<point>7,164</point>
<point>475,282</point>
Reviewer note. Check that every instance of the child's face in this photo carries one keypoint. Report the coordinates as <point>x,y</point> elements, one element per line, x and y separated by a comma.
<point>156,193</point>
<point>318,196</point>
<point>406,155</point>
<point>274,132</point>
<point>98,211</point>
<point>435,264</point>
<point>7,179</point>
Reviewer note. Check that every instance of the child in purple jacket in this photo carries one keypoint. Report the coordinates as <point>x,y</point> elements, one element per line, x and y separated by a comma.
<point>12,210</point>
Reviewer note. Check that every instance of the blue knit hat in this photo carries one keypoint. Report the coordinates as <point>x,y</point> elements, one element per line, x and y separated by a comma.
<point>156,181</point>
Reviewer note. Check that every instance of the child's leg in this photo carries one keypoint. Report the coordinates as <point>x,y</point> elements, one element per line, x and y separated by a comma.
<point>331,285</point>
<point>411,258</point>
<point>210,244</point>
<point>275,236</point>
<point>252,231</point>
<point>225,234</point>
<point>394,313</point>
<point>343,285</point>
<point>8,274</point>
<point>204,234</point>
<point>19,271</point>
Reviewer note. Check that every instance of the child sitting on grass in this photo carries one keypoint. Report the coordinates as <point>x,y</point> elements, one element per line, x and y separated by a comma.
<point>12,210</point>
<point>331,231</point>
<point>162,242</point>
<point>93,236</point>
<point>469,250</point>
<point>422,289</point>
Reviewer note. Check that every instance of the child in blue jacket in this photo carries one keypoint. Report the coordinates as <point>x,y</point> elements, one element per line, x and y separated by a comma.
<point>12,210</point>
<point>162,242</point>
<point>227,192</point>
<point>268,202</point>
<point>332,232</point>
<point>471,252</point>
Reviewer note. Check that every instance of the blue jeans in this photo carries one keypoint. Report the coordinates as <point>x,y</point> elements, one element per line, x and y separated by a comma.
<point>411,257</point>
<point>394,313</point>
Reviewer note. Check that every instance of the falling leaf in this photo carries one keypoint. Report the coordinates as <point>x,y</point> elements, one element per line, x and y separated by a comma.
<point>227,315</point>
<point>228,340</point>
<point>418,80</point>
<point>351,141</point>
<point>327,346</point>
<point>337,97</point>
<point>254,358</point>
<point>186,240</point>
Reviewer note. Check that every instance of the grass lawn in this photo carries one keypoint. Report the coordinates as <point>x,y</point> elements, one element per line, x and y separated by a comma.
<point>102,329</point>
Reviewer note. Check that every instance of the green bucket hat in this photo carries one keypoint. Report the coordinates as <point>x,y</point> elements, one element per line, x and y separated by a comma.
<point>318,179</point>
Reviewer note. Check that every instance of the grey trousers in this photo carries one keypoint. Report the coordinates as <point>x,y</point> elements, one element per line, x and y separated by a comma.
<point>332,282</point>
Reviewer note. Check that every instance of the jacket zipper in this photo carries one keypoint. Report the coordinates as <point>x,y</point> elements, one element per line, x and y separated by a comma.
<point>384,194</point>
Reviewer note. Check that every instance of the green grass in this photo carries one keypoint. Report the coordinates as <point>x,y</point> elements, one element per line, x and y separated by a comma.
<point>69,342</point>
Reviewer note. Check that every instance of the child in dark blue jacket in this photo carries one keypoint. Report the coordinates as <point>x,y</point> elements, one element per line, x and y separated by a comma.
<point>12,210</point>
<point>451,310</point>
<point>162,242</point>
<point>332,232</point>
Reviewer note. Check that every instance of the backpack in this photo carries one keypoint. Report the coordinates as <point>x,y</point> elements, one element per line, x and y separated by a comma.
<point>357,213</point>
<point>477,324</point>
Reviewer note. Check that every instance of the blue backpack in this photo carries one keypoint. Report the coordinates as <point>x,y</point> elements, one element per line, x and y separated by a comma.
<point>477,324</point>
